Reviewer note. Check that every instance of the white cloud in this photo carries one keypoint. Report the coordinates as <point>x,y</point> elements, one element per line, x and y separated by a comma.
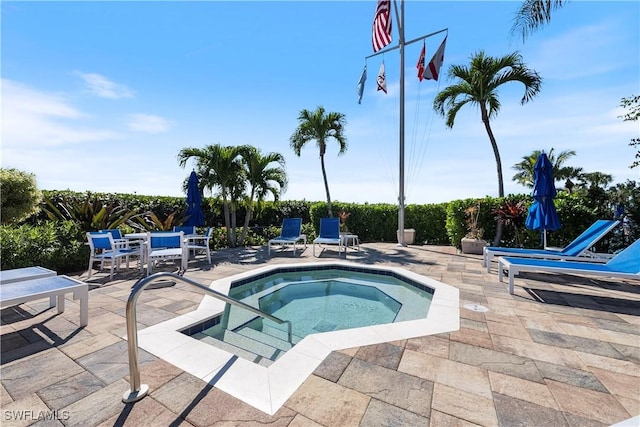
<point>102,87</point>
<point>148,123</point>
<point>33,118</point>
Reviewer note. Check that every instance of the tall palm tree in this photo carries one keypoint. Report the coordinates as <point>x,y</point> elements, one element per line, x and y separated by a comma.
<point>478,85</point>
<point>319,125</point>
<point>219,168</point>
<point>263,178</point>
<point>524,176</point>
<point>533,14</point>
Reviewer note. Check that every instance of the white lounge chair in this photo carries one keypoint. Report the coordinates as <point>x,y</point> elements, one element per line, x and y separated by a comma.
<point>329,234</point>
<point>289,235</point>
<point>577,250</point>
<point>625,264</point>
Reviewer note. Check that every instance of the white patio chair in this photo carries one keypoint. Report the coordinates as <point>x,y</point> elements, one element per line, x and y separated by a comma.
<point>103,248</point>
<point>200,243</point>
<point>166,246</point>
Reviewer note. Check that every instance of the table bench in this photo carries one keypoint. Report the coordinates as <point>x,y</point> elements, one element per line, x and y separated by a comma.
<point>25,273</point>
<point>47,287</point>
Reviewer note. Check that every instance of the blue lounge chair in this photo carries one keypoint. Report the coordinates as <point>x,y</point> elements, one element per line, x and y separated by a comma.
<point>625,264</point>
<point>289,235</point>
<point>329,234</point>
<point>577,250</point>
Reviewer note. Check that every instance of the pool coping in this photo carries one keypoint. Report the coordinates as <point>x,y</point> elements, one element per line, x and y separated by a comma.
<point>268,388</point>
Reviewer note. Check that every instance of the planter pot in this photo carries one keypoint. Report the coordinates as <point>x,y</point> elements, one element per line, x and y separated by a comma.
<point>473,246</point>
<point>409,236</point>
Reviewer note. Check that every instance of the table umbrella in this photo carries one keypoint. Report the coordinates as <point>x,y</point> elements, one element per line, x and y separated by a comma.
<point>194,202</point>
<point>542,213</point>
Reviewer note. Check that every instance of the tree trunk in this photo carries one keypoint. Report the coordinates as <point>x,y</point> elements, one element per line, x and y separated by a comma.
<point>496,153</point>
<point>326,185</point>
<point>227,220</point>
<point>234,236</point>
<point>247,217</point>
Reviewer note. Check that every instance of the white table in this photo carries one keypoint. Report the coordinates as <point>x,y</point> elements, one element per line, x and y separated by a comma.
<point>350,240</point>
<point>25,273</point>
<point>47,287</point>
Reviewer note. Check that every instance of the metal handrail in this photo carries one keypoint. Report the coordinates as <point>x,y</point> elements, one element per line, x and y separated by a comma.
<point>138,391</point>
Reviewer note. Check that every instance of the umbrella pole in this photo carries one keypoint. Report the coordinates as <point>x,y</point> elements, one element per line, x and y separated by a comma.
<point>544,233</point>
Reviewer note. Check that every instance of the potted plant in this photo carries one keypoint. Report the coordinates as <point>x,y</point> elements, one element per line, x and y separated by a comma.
<point>472,242</point>
<point>512,214</point>
<point>344,215</point>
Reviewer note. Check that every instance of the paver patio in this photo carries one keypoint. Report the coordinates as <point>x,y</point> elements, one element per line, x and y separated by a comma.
<point>562,351</point>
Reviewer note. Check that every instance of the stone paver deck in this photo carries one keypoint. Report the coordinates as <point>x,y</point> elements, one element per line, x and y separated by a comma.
<point>562,351</point>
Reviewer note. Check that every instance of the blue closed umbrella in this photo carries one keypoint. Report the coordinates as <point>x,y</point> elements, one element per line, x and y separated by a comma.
<point>195,217</point>
<point>542,213</point>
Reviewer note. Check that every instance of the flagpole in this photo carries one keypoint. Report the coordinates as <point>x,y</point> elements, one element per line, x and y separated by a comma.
<point>401,45</point>
<point>401,165</point>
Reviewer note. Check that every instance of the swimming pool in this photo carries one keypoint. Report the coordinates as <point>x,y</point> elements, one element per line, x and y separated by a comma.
<point>267,388</point>
<point>314,300</point>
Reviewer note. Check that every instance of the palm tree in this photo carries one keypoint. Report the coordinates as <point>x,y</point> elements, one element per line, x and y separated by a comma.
<point>320,126</point>
<point>478,85</point>
<point>595,180</point>
<point>533,14</point>
<point>524,176</point>
<point>219,167</point>
<point>262,178</point>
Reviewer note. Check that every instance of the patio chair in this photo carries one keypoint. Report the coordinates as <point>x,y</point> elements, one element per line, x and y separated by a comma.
<point>289,235</point>
<point>329,234</point>
<point>577,250</point>
<point>200,243</point>
<point>120,240</point>
<point>625,264</point>
<point>166,246</point>
<point>103,248</point>
<point>186,229</point>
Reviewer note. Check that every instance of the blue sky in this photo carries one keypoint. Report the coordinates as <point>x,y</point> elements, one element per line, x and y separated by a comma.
<point>101,96</point>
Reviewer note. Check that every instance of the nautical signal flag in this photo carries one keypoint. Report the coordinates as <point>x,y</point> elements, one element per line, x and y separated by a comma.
<point>432,72</point>
<point>360,87</point>
<point>382,79</point>
<point>382,25</point>
<point>420,64</point>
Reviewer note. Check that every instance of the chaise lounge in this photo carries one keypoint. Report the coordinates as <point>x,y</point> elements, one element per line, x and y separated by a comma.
<point>329,234</point>
<point>625,264</point>
<point>289,235</point>
<point>577,250</point>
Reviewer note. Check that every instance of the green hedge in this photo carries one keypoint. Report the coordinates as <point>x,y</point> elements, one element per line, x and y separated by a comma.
<point>61,246</point>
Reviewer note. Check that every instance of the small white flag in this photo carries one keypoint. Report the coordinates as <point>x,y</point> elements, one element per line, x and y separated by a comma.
<point>382,80</point>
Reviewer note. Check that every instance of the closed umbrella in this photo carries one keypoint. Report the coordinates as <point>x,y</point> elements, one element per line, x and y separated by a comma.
<point>542,213</point>
<point>195,217</point>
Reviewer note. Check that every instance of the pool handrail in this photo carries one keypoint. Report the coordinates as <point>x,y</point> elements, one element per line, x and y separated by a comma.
<point>138,391</point>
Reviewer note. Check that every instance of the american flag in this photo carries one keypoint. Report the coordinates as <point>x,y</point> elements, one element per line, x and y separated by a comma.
<point>382,25</point>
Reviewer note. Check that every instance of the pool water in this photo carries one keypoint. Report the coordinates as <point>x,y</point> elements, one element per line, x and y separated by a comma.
<point>320,300</point>
<point>329,305</point>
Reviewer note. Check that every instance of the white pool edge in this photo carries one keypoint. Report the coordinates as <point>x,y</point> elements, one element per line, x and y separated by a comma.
<point>268,388</point>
